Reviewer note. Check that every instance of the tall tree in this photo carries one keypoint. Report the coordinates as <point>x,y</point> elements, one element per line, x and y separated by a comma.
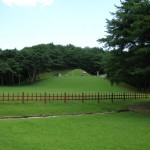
<point>128,35</point>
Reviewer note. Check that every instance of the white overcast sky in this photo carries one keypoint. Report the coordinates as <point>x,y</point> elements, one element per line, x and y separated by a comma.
<point>31,22</point>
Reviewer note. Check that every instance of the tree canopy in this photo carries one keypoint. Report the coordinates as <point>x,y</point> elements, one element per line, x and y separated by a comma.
<point>17,67</point>
<point>128,36</point>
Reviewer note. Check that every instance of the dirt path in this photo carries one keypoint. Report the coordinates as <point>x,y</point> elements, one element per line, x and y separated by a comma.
<point>52,116</point>
<point>62,115</point>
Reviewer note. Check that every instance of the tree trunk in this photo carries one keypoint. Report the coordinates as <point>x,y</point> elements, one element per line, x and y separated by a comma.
<point>2,81</point>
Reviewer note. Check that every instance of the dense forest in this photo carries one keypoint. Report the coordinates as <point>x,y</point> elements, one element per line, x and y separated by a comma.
<point>26,65</point>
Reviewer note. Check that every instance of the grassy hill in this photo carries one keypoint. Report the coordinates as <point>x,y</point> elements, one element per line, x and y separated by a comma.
<point>77,72</point>
<point>70,81</point>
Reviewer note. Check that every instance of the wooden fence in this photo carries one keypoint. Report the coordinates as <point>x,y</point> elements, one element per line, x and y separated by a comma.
<point>25,97</point>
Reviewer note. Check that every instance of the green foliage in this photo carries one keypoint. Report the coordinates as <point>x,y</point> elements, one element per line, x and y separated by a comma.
<point>128,35</point>
<point>130,25</point>
<point>18,67</point>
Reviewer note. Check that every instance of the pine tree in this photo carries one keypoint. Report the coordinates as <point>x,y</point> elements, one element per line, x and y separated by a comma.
<point>128,35</point>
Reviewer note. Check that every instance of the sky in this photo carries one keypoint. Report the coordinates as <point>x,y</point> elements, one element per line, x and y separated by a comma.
<point>26,23</point>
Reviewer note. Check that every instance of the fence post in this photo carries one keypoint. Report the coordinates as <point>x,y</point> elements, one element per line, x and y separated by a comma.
<point>75,96</point>
<point>18,97</point>
<point>3,96</point>
<point>53,96</point>
<point>82,97</point>
<point>45,98</point>
<point>65,97</point>
<point>146,95</point>
<point>32,97</point>
<point>13,97</point>
<point>112,97</point>
<point>61,97</point>
<point>98,98</point>
<point>124,96</point>
<point>27,97</point>
<point>36,96</point>
<point>68,96</point>
<point>49,96</point>
<point>8,96</point>
<point>57,96</point>
<point>40,96</point>
<point>135,96</point>
<point>23,97</point>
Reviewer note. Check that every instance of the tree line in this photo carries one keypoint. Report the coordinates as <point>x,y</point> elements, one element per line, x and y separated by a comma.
<point>27,64</point>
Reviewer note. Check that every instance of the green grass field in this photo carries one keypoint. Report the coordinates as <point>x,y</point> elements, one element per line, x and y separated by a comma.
<point>118,131</point>
<point>123,131</point>
<point>61,108</point>
<point>72,83</point>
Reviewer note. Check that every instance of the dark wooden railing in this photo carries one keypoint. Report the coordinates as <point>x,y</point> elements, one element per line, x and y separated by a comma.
<point>24,97</point>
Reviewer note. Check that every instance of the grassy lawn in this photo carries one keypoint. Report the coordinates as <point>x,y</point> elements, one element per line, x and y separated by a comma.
<point>119,131</point>
<point>70,84</point>
<point>122,131</point>
<point>59,107</point>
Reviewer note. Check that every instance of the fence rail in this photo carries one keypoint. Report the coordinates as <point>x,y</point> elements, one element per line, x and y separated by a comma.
<point>25,97</point>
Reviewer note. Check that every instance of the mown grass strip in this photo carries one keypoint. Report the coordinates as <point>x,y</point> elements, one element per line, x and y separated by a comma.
<point>59,107</point>
<point>105,132</point>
